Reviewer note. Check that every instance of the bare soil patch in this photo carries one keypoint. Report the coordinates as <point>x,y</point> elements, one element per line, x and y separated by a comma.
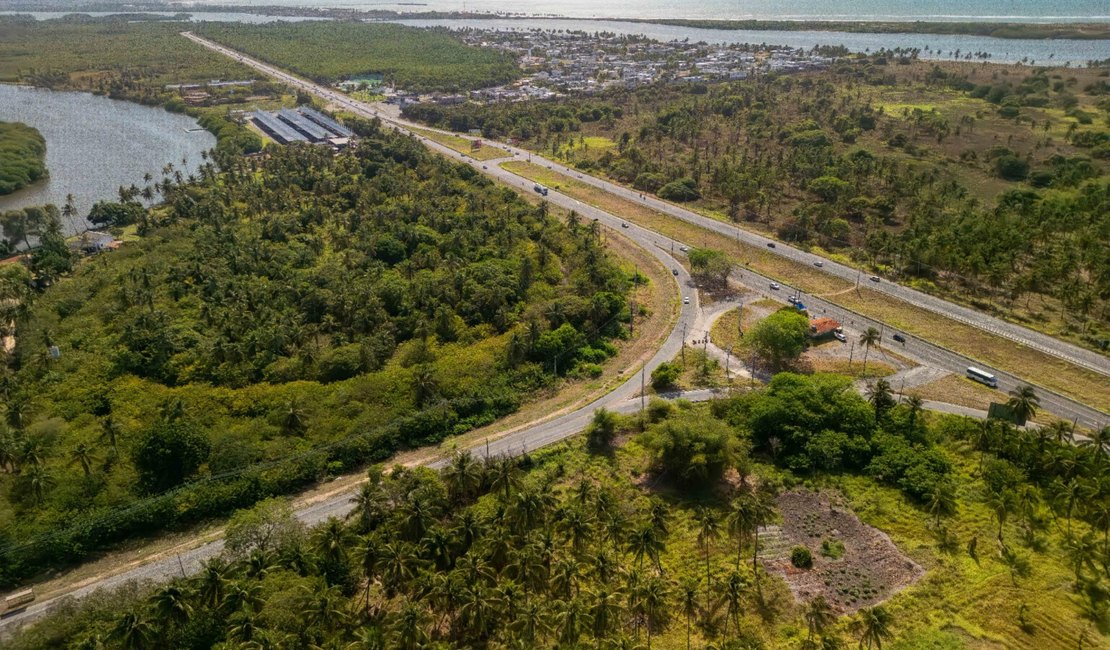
<point>870,570</point>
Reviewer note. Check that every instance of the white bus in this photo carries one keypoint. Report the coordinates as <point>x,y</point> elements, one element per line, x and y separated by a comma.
<point>982,376</point>
<point>17,601</point>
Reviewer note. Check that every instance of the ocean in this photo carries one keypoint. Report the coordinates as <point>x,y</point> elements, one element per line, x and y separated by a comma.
<point>935,10</point>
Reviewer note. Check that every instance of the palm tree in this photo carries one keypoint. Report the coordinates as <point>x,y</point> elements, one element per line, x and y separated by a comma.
<point>109,432</point>
<point>735,588</point>
<point>39,481</point>
<point>171,607</point>
<point>654,598</point>
<point>332,540</point>
<point>879,394</point>
<point>689,597</point>
<point>819,615</point>
<point>867,339</point>
<point>505,476</point>
<point>873,625</point>
<point>708,530</point>
<point>324,610</point>
<point>645,542</point>
<point>213,584</point>
<point>1099,442</point>
<point>605,612</point>
<point>408,628</point>
<point>940,499</point>
<point>463,476</point>
<point>1024,403</point>
<point>133,632</point>
<point>82,456</point>
<point>914,405</point>
<point>293,419</point>
<point>741,520</point>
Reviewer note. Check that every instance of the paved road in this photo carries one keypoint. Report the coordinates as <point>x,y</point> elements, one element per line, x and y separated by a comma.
<point>623,399</point>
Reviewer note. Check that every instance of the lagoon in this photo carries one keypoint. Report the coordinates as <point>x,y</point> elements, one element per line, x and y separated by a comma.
<point>95,144</point>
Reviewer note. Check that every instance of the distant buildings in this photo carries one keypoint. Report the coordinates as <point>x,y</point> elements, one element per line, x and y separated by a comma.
<point>302,125</point>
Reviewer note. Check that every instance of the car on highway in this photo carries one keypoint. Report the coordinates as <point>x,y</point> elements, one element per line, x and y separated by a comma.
<point>840,336</point>
<point>898,337</point>
<point>874,278</point>
<point>624,224</point>
<point>818,263</point>
<point>770,244</point>
<point>686,300</point>
<point>792,299</point>
<point>674,271</point>
<point>484,167</point>
<point>683,249</point>
<point>774,286</point>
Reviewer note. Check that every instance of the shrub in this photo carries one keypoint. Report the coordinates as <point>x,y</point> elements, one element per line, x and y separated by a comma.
<point>1011,167</point>
<point>682,190</point>
<point>832,548</point>
<point>665,376</point>
<point>801,557</point>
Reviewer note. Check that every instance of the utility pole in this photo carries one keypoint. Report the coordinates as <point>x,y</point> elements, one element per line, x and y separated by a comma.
<point>683,345</point>
<point>751,368</point>
<point>900,388</point>
<point>740,320</point>
<point>181,565</point>
<point>728,355</point>
<point>851,353</point>
<point>632,318</point>
<point>642,371</point>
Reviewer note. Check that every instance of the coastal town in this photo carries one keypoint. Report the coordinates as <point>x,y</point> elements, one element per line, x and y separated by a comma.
<point>559,63</point>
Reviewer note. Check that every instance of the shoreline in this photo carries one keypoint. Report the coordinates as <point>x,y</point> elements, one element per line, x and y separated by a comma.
<point>1084,30</point>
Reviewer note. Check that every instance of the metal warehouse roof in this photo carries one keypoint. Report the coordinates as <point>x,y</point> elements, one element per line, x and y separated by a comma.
<point>275,127</point>
<point>325,121</point>
<point>314,131</point>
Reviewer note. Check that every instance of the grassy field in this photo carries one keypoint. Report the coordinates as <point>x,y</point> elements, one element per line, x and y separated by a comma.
<point>462,145</point>
<point>1084,385</point>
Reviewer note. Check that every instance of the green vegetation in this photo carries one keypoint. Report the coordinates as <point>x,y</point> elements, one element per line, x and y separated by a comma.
<point>996,30</point>
<point>970,181</point>
<point>779,339</point>
<point>581,546</point>
<point>281,321</point>
<point>410,58</point>
<point>22,156</point>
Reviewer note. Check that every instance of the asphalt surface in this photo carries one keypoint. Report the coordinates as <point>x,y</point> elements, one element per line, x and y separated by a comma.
<point>626,397</point>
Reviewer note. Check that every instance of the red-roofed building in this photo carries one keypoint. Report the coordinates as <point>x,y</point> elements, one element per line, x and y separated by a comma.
<point>822,327</point>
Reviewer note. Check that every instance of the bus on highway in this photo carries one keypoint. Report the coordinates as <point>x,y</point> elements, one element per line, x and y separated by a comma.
<point>982,377</point>
<point>17,601</point>
<point>541,189</point>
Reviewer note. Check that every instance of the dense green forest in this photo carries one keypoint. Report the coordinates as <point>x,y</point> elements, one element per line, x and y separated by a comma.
<point>992,29</point>
<point>410,58</point>
<point>282,320</point>
<point>983,182</point>
<point>653,542</point>
<point>22,156</point>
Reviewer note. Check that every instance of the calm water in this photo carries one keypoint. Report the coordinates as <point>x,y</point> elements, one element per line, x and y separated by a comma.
<point>94,144</point>
<point>968,10</point>
<point>1002,50</point>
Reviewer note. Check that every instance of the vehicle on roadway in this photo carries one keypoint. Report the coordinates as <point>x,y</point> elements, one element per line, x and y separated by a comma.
<point>770,244</point>
<point>982,376</point>
<point>540,189</point>
<point>793,300</point>
<point>774,286</point>
<point>818,263</point>
<point>683,249</point>
<point>686,300</point>
<point>17,601</point>
<point>898,337</point>
<point>484,167</point>
<point>674,271</point>
<point>624,224</point>
<point>839,336</point>
<point>874,278</point>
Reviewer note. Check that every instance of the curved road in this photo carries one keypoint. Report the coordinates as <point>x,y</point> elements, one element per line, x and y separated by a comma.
<point>624,399</point>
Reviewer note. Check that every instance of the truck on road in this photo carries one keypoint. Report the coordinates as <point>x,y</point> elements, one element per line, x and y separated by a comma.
<point>540,189</point>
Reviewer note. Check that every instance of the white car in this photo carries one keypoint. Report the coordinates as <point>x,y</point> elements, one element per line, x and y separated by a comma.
<point>839,336</point>
<point>775,286</point>
<point>818,263</point>
<point>686,300</point>
<point>683,249</point>
<point>874,278</point>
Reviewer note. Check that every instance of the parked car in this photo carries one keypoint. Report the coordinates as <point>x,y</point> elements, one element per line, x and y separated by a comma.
<point>839,336</point>
<point>899,338</point>
<point>774,286</point>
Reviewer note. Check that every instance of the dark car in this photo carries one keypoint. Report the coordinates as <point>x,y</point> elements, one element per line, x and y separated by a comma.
<point>899,338</point>
<point>770,244</point>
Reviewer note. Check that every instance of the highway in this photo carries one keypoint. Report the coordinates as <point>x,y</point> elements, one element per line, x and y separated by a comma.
<point>1055,403</point>
<point>626,398</point>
